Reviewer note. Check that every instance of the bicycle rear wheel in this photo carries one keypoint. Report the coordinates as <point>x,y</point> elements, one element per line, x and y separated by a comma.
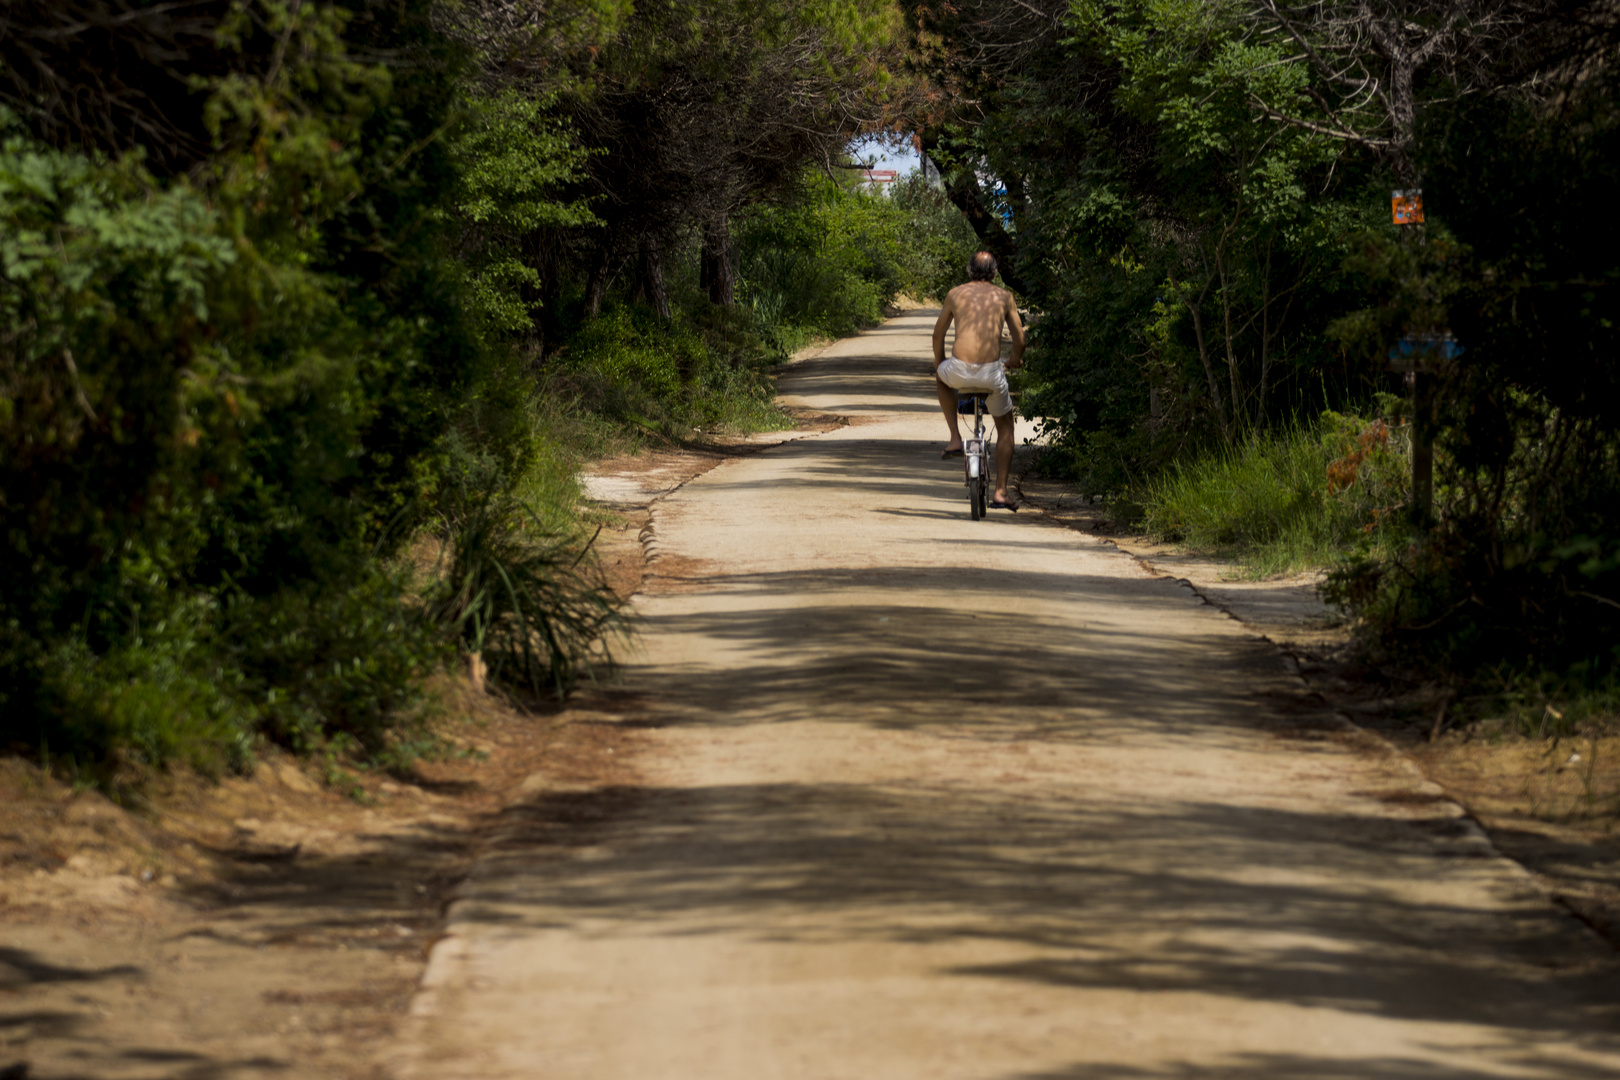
<point>976,496</point>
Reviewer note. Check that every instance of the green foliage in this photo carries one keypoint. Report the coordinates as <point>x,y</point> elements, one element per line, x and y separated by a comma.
<point>935,240</point>
<point>1520,576</point>
<point>634,356</point>
<point>512,158</point>
<point>225,400</point>
<point>332,663</point>
<point>705,369</point>
<point>162,695</point>
<point>1292,499</point>
<point>829,262</point>
<point>516,592</point>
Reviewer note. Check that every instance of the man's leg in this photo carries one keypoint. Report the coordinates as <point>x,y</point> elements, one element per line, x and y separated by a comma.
<point>1004,452</point>
<point>947,402</point>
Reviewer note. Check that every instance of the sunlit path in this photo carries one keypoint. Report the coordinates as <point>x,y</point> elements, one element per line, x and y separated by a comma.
<point>932,798</point>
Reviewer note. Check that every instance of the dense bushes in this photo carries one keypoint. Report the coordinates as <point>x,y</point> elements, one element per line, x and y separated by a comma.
<point>830,261</point>
<point>1198,202</point>
<point>290,411</point>
<point>1522,568</point>
<point>228,400</point>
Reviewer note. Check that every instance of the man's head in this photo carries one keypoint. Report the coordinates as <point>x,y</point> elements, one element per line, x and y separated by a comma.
<point>982,267</point>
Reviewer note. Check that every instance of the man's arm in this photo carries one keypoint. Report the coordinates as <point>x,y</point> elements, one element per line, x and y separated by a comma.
<point>947,312</point>
<point>1016,330</point>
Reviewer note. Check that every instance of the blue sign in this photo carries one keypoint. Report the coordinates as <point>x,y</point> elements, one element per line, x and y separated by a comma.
<point>1444,346</point>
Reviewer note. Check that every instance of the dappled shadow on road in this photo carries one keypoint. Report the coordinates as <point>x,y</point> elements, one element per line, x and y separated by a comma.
<point>938,647</point>
<point>1116,892</point>
<point>20,969</point>
<point>876,379</point>
<point>1255,1066</point>
<point>1107,887</point>
<point>869,468</point>
<point>882,387</point>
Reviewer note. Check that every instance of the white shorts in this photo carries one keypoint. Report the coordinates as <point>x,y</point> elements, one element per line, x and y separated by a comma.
<point>988,379</point>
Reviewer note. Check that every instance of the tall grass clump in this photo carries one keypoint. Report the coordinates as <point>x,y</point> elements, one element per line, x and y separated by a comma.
<point>520,595</point>
<point>1287,500</point>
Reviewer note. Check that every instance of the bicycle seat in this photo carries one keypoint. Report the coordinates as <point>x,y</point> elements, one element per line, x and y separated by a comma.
<point>964,401</point>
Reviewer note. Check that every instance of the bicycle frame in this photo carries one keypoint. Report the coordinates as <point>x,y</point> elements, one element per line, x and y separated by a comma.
<point>978,455</point>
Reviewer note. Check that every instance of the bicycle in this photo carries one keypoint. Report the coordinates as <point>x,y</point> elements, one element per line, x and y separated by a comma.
<point>978,453</point>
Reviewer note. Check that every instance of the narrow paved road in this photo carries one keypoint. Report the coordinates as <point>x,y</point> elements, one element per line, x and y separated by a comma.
<point>930,798</point>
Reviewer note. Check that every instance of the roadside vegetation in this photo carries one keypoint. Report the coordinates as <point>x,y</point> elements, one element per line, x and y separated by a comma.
<point>310,313</point>
<point>1286,499</point>
<point>1197,198</point>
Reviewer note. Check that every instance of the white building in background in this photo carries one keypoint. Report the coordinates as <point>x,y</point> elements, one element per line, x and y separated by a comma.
<point>890,157</point>
<point>875,180</point>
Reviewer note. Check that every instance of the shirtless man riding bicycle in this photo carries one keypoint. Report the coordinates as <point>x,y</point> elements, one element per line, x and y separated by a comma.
<point>980,310</point>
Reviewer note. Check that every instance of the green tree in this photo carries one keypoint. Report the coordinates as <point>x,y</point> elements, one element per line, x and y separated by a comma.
<point>259,362</point>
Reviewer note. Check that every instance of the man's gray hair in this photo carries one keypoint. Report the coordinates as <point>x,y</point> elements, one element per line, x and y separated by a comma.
<point>982,267</point>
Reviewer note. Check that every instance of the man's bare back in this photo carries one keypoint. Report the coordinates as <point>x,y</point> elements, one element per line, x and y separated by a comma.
<point>979,310</point>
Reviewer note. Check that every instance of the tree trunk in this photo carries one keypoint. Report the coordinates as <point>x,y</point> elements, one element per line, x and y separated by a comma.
<point>718,264</point>
<point>1403,117</point>
<point>962,188</point>
<point>537,296</point>
<point>652,275</point>
<point>597,283</point>
<point>1265,339</point>
<point>1196,310</point>
<point>1235,402</point>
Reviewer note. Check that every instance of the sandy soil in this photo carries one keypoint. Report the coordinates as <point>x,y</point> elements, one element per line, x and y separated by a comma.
<point>263,926</point>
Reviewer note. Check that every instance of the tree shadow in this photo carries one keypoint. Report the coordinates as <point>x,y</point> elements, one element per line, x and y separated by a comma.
<point>959,658</point>
<point>1255,1066</point>
<point>20,969</point>
<point>1144,895</point>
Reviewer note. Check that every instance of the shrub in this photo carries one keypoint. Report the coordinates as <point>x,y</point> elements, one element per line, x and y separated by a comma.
<point>829,262</point>
<point>521,595</point>
<point>1301,497</point>
<point>936,240</point>
<point>335,662</point>
<point>163,695</point>
<point>704,368</point>
<point>217,392</point>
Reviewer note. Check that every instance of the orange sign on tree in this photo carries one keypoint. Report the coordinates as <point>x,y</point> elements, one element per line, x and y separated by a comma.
<point>1407,206</point>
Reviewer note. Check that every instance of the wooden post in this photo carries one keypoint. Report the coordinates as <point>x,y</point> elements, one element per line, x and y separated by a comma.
<point>1418,356</point>
<point>1423,358</point>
